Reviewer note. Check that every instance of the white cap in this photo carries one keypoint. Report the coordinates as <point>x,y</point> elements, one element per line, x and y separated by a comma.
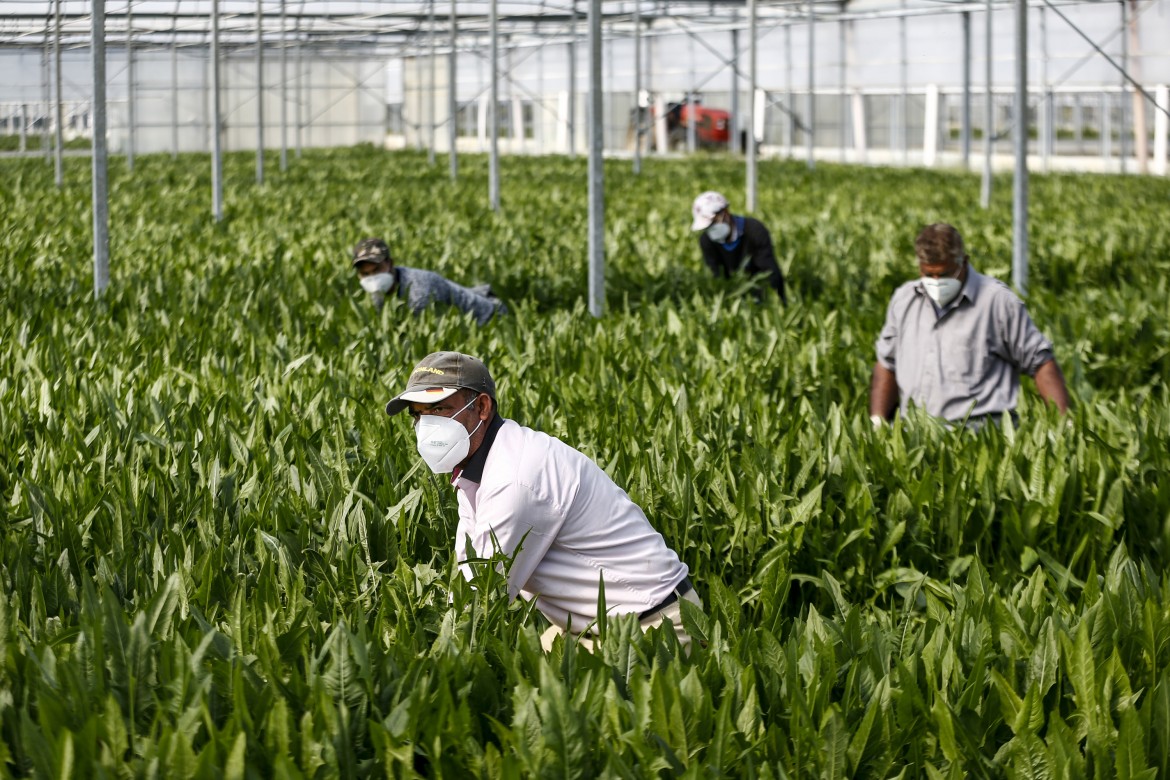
<point>704,209</point>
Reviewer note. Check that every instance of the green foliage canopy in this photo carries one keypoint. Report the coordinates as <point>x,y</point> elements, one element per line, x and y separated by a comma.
<point>220,558</point>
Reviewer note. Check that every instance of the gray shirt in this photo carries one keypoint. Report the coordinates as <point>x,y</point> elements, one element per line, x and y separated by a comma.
<point>422,288</point>
<point>965,360</point>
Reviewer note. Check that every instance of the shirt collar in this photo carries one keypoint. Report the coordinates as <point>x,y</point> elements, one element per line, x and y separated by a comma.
<point>473,471</point>
<point>973,285</point>
<point>736,233</point>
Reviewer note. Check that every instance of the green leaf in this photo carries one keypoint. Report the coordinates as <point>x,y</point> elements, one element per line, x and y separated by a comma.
<point>295,364</point>
<point>945,729</point>
<point>235,766</point>
<point>1131,749</point>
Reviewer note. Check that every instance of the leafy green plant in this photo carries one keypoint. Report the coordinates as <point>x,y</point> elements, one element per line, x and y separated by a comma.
<point>220,557</point>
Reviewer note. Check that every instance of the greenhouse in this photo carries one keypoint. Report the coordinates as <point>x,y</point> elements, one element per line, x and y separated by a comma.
<point>871,81</point>
<point>584,389</point>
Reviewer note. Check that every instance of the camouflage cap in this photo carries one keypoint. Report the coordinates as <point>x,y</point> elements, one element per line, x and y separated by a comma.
<point>371,250</point>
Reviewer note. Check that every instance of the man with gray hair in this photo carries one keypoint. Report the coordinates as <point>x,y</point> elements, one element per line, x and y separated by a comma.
<point>955,342</point>
<point>379,276</point>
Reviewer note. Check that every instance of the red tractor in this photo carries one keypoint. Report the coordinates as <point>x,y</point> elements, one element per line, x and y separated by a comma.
<point>712,125</point>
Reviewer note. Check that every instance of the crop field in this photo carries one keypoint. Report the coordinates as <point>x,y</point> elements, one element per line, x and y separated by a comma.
<point>220,558</point>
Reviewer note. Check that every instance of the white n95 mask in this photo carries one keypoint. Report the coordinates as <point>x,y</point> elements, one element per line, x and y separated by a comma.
<point>719,232</point>
<point>378,283</point>
<point>443,442</point>
<point>941,291</point>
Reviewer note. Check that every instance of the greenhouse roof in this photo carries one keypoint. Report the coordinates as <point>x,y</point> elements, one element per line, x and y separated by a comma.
<point>395,22</point>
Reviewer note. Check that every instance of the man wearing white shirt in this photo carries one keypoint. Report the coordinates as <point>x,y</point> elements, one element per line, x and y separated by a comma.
<point>563,521</point>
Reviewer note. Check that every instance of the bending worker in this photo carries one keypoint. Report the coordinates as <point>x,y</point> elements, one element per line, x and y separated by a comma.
<point>955,342</point>
<point>563,521</point>
<point>379,276</point>
<point>730,243</point>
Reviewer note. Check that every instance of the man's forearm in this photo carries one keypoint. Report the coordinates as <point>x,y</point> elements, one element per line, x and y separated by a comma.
<point>883,392</point>
<point>1050,385</point>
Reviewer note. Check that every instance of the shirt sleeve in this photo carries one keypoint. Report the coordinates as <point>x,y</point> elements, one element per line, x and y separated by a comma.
<point>426,288</point>
<point>887,341</point>
<point>1023,342</point>
<point>710,257</point>
<point>472,303</point>
<point>464,543</point>
<point>519,524</point>
<point>764,260</point>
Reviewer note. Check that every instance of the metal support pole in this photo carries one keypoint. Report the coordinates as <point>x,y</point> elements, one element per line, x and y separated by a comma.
<point>858,124</point>
<point>752,174</point>
<point>965,132</point>
<point>131,114</point>
<point>205,124</point>
<point>23,147</point>
<point>988,116</point>
<point>539,105</point>
<point>692,120</point>
<point>58,108</point>
<point>1044,112</point>
<point>432,83</point>
<point>259,91</point>
<point>101,205</point>
<point>789,137</point>
<point>638,107</point>
<point>357,104</point>
<point>1020,185</point>
<point>452,103</point>
<point>493,107</point>
<point>515,109</point>
<point>651,44</point>
<point>46,101</point>
<point>596,171</point>
<point>1138,103</point>
<point>736,123</point>
<point>283,88</point>
<point>174,99</point>
<point>573,80</point>
<point>216,120</point>
<point>904,89</point>
<point>1123,107</point>
<point>299,92</point>
<point>843,99</point>
<point>811,111</point>
<point>1161,128</point>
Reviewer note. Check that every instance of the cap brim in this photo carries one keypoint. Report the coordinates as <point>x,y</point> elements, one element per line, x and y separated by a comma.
<point>428,395</point>
<point>702,224</point>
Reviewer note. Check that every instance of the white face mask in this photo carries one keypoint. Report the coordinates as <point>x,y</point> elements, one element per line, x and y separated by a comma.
<point>719,232</point>
<point>941,291</point>
<point>443,442</point>
<point>378,283</point>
